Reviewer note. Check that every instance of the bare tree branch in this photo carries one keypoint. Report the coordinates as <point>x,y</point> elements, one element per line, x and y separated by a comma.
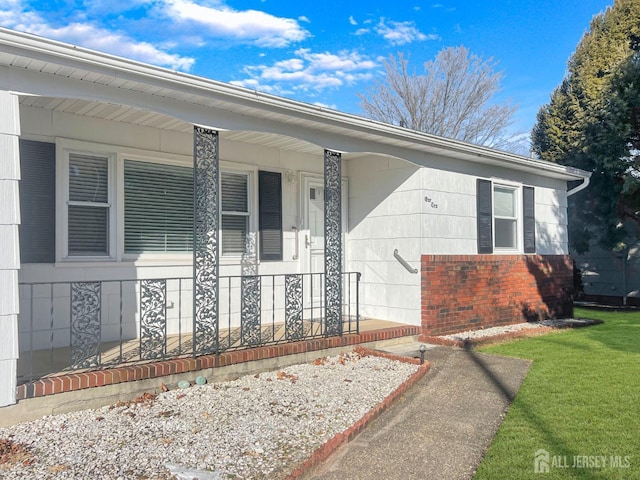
<point>451,99</point>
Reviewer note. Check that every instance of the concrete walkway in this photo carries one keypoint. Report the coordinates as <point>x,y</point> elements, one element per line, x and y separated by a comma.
<point>440,428</point>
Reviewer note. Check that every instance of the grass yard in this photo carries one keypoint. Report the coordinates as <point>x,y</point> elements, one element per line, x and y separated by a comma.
<point>580,400</point>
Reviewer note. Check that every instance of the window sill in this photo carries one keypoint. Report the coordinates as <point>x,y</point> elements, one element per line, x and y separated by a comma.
<point>510,251</point>
<point>77,261</point>
<point>148,260</point>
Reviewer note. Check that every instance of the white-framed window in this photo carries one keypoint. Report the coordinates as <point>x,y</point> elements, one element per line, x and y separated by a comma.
<point>505,217</point>
<point>158,208</point>
<point>126,204</point>
<point>235,212</point>
<point>86,229</point>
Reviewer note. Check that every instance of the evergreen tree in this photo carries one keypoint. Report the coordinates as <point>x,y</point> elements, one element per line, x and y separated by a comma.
<point>593,122</point>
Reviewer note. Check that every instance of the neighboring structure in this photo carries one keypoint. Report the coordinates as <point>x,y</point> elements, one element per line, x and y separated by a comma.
<point>300,213</point>
<point>612,277</point>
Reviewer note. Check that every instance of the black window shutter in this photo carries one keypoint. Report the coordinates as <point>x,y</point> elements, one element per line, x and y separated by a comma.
<point>529,219</point>
<point>37,202</point>
<point>485,216</point>
<point>270,215</point>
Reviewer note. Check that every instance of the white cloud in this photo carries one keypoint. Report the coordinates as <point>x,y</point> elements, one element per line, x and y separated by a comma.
<point>400,33</point>
<point>309,71</point>
<point>352,20</point>
<point>14,15</point>
<point>248,26</point>
<point>343,60</point>
<point>362,31</point>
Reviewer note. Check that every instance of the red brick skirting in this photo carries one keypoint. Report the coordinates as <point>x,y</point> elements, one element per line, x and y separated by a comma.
<point>468,292</point>
<point>79,381</point>
<point>326,449</point>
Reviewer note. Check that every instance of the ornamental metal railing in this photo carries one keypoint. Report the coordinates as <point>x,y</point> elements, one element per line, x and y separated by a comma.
<point>89,325</point>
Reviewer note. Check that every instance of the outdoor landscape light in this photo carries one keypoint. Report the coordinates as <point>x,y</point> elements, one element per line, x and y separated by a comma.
<point>423,349</point>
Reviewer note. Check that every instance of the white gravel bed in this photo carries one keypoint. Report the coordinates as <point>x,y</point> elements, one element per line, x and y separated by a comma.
<point>255,427</point>
<point>494,331</point>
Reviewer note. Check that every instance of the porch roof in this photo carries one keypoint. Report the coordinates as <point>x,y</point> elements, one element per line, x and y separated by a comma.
<point>33,65</point>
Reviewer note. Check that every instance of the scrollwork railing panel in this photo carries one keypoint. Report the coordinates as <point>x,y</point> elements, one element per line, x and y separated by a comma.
<point>251,310</point>
<point>294,327</point>
<point>153,319</point>
<point>86,324</point>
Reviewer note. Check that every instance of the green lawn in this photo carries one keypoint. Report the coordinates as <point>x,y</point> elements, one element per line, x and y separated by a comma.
<point>580,399</point>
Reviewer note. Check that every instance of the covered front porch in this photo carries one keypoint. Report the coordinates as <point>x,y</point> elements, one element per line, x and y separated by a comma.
<point>84,326</point>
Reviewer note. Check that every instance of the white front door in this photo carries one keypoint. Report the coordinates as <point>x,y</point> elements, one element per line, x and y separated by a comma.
<point>313,223</point>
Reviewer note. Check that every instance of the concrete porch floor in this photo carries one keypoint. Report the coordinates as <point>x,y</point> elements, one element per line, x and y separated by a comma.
<point>56,361</point>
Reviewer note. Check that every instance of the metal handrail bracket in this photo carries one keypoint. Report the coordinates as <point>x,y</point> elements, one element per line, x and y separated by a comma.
<point>403,262</point>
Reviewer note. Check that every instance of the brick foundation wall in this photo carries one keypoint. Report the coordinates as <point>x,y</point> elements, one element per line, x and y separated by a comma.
<point>466,292</point>
<point>81,380</point>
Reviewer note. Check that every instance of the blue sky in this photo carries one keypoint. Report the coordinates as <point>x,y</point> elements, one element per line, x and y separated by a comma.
<point>322,52</point>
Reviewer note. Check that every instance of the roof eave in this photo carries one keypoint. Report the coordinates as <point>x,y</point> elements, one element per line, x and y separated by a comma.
<point>59,53</point>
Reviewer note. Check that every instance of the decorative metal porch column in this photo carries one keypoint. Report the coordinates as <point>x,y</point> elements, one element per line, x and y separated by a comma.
<point>206,200</point>
<point>333,242</point>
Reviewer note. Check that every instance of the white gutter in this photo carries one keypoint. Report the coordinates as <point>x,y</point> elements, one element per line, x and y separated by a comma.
<point>582,186</point>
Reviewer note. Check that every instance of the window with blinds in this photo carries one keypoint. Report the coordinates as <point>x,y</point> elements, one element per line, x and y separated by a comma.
<point>505,217</point>
<point>88,205</point>
<point>501,222</point>
<point>234,193</point>
<point>158,208</point>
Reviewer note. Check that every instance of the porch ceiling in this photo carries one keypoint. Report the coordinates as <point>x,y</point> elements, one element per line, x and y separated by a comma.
<point>136,116</point>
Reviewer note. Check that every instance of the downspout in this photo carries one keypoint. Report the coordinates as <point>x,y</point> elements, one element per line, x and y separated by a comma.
<point>582,186</point>
<point>577,188</point>
<point>624,276</point>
